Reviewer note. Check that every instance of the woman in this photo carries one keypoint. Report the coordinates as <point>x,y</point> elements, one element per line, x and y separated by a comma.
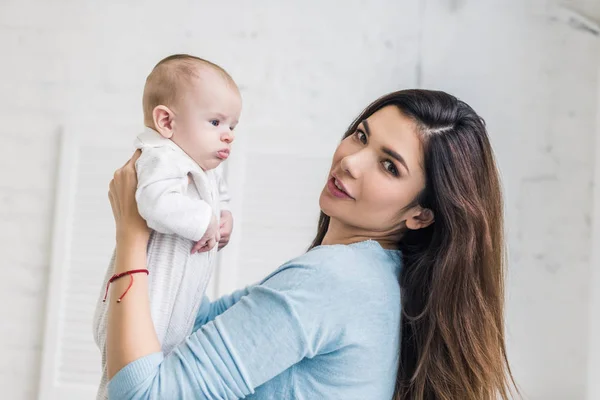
<point>410,241</point>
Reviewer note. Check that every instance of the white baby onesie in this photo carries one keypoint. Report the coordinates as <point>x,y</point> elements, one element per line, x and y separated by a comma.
<point>178,210</point>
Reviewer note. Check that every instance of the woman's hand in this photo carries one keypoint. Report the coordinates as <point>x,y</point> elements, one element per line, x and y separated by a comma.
<point>129,224</point>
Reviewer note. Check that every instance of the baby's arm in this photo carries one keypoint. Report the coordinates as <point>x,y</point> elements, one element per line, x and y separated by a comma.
<point>162,183</point>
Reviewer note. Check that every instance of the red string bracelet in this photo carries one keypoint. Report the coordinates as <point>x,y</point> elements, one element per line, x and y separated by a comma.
<point>122,274</point>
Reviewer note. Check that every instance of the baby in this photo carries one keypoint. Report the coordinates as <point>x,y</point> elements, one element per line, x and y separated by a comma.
<point>191,107</point>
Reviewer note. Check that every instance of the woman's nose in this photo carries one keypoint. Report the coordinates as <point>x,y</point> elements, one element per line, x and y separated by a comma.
<point>353,164</point>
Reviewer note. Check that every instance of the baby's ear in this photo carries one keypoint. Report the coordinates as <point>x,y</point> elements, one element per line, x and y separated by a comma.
<point>163,121</point>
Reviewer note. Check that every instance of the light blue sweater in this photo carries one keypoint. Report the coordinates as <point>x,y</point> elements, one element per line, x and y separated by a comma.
<point>325,325</point>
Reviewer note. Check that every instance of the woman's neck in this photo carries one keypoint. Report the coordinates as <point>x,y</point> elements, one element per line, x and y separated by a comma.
<point>339,233</point>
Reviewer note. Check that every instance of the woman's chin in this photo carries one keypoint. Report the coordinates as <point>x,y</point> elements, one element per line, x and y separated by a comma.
<point>327,203</point>
<point>323,200</point>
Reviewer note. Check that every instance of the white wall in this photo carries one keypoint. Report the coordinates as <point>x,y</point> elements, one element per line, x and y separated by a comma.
<point>307,67</point>
<point>593,342</point>
<point>534,80</point>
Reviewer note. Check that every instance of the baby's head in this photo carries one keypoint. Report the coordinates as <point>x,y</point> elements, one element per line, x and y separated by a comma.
<point>196,104</point>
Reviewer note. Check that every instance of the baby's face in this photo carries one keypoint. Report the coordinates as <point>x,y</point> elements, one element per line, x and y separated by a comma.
<point>205,121</point>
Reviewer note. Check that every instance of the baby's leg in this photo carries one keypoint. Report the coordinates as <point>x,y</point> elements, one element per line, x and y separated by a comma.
<point>100,313</point>
<point>189,296</point>
<point>99,329</point>
<point>177,284</point>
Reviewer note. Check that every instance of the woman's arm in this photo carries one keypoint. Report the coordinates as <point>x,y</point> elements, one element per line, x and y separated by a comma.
<point>210,310</point>
<point>130,331</point>
<point>275,325</point>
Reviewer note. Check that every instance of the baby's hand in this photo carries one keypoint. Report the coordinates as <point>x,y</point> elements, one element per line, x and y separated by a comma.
<point>226,228</point>
<point>210,239</point>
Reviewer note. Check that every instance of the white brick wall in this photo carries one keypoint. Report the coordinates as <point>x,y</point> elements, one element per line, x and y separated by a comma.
<point>303,66</point>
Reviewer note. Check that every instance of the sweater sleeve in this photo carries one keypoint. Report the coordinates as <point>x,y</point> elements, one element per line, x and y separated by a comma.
<point>162,202</point>
<point>275,325</point>
<point>210,310</point>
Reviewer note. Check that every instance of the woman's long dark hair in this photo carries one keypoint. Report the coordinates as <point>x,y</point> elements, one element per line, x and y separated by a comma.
<point>452,278</point>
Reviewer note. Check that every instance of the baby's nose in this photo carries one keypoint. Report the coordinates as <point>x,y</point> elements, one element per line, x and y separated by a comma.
<point>227,137</point>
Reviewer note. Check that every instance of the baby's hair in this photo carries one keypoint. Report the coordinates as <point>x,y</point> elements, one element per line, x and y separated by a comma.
<point>170,77</point>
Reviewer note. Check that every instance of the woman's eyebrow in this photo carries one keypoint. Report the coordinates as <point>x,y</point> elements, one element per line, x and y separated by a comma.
<point>396,156</point>
<point>366,125</point>
<point>387,150</point>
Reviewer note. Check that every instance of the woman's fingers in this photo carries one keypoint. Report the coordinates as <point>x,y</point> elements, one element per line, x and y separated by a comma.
<point>121,195</point>
<point>126,173</point>
<point>131,161</point>
<point>124,183</point>
<point>122,189</point>
<point>112,190</point>
<point>112,202</point>
<point>135,156</point>
<point>129,167</point>
<point>113,199</point>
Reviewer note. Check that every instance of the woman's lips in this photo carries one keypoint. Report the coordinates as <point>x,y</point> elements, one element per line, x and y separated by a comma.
<point>336,188</point>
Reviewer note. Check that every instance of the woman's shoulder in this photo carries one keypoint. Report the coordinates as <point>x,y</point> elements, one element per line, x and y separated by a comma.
<point>356,256</point>
<point>348,265</point>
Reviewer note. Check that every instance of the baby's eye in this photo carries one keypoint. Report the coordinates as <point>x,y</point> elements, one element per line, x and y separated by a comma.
<point>215,122</point>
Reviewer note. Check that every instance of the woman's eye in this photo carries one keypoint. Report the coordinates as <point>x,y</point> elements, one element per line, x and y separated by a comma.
<point>215,122</point>
<point>361,136</point>
<point>390,167</point>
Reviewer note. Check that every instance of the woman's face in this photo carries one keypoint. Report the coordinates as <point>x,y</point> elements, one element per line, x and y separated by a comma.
<point>375,174</point>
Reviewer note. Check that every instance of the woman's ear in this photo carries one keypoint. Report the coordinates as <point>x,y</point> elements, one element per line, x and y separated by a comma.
<point>163,121</point>
<point>420,218</point>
